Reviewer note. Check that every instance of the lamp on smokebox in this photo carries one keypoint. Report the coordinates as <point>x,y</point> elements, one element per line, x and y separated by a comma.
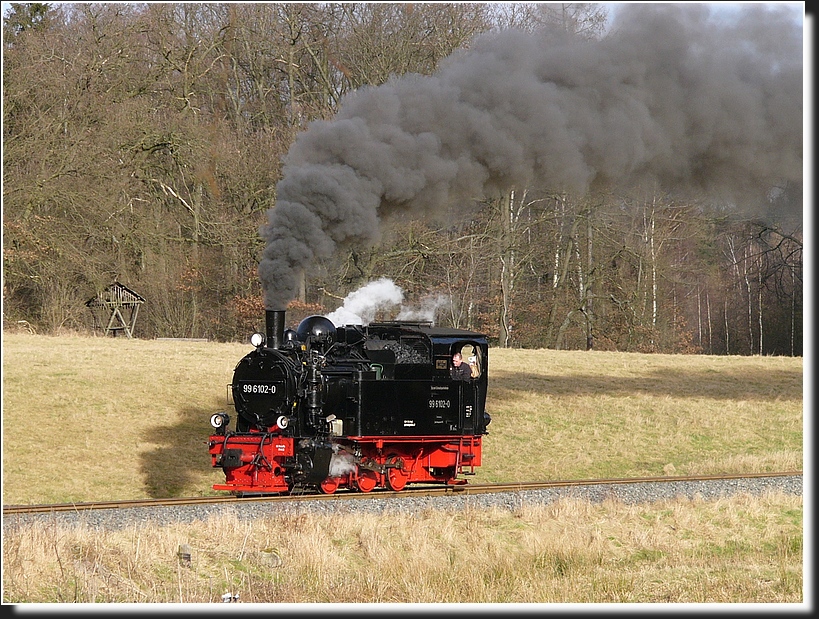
<point>220,421</point>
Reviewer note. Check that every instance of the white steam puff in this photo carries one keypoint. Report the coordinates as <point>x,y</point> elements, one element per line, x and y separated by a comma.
<point>672,98</point>
<point>341,464</point>
<point>426,309</point>
<point>360,307</point>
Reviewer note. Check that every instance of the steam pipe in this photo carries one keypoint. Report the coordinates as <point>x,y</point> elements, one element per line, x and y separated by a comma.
<point>314,395</point>
<point>274,325</point>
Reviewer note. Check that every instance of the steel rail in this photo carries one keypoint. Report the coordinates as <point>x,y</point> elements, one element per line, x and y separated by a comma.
<point>464,489</point>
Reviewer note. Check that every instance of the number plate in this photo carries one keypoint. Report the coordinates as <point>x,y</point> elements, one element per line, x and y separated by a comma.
<point>257,388</point>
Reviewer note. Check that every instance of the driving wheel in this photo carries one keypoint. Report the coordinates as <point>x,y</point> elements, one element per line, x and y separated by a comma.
<point>366,480</point>
<point>396,475</point>
<point>329,485</point>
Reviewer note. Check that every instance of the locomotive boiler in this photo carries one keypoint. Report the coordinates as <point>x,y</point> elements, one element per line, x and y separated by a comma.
<point>355,407</point>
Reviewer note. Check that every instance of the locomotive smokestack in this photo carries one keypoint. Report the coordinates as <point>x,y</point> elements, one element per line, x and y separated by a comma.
<point>274,323</point>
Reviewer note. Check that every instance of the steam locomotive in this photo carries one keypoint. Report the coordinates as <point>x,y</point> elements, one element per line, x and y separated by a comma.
<point>355,407</point>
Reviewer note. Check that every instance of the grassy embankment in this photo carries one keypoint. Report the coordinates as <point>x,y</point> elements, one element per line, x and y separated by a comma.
<point>100,418</point>
<point>94,418</point>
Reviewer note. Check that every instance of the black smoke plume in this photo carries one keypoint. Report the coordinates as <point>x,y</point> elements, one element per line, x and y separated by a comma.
<point>671,96</point>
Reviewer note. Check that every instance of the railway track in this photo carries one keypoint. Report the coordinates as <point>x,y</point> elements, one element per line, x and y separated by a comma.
<point>421,491</point>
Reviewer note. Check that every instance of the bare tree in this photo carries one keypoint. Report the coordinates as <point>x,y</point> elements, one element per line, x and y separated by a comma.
<point>144,143</point>
<point>381,40</point>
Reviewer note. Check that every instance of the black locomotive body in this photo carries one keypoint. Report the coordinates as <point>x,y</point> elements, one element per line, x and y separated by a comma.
<point>355,407</point>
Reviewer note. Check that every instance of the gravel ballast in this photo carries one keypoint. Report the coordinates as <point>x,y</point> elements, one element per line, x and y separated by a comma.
<point>628,493</point>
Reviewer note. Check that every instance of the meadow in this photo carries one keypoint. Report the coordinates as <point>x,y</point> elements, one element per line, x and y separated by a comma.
<point>93,418</point>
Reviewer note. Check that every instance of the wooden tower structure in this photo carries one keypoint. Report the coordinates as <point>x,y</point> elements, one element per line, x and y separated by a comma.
<point>115,309</point>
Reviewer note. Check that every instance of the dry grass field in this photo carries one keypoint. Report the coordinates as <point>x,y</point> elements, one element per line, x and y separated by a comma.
<point>738,550</point>
<point>577,414</point>
<point>94,418</point>
<point>88,418</point>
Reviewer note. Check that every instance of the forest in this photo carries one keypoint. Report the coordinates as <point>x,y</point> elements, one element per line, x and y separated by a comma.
<point>566,176</point>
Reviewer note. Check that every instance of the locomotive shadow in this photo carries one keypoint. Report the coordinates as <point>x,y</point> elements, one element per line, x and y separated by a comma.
<point>760,385</point>
<point>180,459</point>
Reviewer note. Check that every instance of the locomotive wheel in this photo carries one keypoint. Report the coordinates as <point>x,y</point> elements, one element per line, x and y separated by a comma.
<point>366,481</point>
<point>329,485</point>
<point>396,477</point>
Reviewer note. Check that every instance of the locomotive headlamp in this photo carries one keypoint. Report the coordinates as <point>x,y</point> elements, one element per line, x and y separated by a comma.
<point>282,422</point>
<point>257,339</point>
<point>219,420</point>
